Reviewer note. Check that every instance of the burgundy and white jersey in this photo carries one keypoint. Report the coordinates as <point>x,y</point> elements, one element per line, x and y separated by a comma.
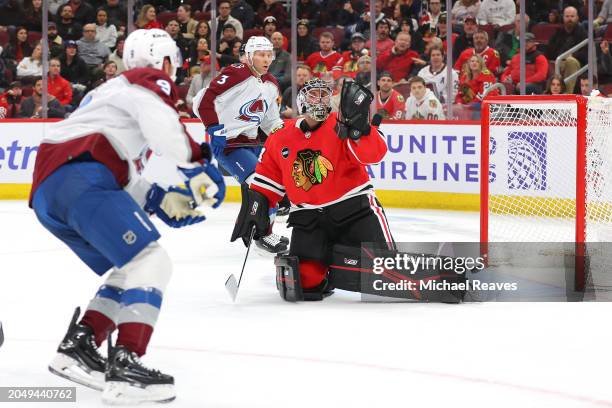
<point>438,79</point>
<point>240,101</point>
<point>119,124</point>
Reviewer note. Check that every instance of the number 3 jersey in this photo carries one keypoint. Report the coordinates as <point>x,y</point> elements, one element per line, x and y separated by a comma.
<point>240,101</point>
<point>316,168</point>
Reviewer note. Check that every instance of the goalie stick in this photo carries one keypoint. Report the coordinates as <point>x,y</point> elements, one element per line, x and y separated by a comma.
<point>231,284</point>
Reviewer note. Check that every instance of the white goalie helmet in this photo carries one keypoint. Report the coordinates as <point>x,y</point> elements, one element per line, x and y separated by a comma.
<point>314,99</point>
<point>257,43</point>
<point>149,48</point>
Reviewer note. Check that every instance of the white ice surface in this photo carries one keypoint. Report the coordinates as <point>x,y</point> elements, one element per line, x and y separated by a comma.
<point>264,352</point>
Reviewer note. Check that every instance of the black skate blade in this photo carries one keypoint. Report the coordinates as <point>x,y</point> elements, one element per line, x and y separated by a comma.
<point>231,285</point>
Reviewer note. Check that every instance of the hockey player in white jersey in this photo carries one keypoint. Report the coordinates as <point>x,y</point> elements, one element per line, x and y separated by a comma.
<point>422,103</point>
<point>88,192</point>
<point>241,101</point>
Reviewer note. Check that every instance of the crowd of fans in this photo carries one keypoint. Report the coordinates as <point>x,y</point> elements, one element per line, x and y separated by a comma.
<point>86,41</point>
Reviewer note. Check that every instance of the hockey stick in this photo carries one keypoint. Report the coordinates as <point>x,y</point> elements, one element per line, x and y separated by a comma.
<point>230,284</point>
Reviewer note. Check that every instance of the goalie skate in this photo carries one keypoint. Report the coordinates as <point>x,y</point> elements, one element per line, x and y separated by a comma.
<point>272,244</point>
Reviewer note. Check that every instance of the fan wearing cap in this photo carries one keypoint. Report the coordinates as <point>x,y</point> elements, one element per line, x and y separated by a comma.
<point>270,27</point>
<point>390,104</point>
<point>88,191</point>
<point>271,8</point>
<point>536,68</point>
<point>306,44</point>
<point>323,171</point>
<point>239,103</point>
<point>10,101</point>
<point>466,39</point>
<point>351,56</point>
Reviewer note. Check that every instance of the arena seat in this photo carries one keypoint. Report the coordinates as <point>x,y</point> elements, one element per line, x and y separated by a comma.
<point>544,31</point>
<point>251,32</point>
<point>166,16</point>
<point>4,38</point>
<point>34,37</point>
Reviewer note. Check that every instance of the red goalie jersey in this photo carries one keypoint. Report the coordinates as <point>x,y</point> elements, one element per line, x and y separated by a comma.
<point>316,168</point>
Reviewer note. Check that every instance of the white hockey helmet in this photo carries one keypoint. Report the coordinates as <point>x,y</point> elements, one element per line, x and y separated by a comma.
<point>149,48</point>
<point>314,99</point>
<point>257,43</point>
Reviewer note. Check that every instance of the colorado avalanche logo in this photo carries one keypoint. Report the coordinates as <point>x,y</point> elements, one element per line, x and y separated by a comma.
<point>253,111</point>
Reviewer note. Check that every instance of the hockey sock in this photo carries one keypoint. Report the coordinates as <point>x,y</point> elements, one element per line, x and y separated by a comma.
<point>137,317</point>
<point>102,312</point>
<point>312,273</point>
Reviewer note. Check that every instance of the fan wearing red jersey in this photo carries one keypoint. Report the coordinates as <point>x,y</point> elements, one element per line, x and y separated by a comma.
<point>474,81</point>
<point>390,104</point>
<point>327,59</point>
<point>319,160</point>
<point>481,48</point>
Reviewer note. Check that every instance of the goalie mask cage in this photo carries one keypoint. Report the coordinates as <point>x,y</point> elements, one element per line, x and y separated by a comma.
<point>546,173</point>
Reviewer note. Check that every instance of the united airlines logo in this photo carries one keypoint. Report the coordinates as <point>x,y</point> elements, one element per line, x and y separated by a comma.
<point>253,111</point>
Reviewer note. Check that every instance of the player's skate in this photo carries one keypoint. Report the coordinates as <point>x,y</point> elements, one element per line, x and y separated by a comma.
<point>273,243</point>
<point>78,358</point>
<point>128,381</point>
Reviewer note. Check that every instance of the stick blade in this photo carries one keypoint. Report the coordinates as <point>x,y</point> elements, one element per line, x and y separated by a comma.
<point>231,284</point>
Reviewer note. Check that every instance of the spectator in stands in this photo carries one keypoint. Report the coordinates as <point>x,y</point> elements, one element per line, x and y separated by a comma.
<point>199,50</point>
<point>225,17</point>
<point>554,17</point>
<point>32,107</point>
<point>183,43</point>
<point>56,43</point>
<point>466,39</point>
<point>243,12</point>
<point>117,14</point>
<point>11,13</point>
<point>436,73</point>
<point>10,101</point>
<point>442,34</point>
<point>582,87</point>
<point>67,27</point>
<point>565,38</point>
<point>350,57</point>
<point>91,50</point>
<point>364,71</point>
<point>117,55</point>
<point>422,103</point>
<point>74,68</point>
<point>109,71</point>
<point>83,12</point>
<point>269,27</point>
<point>147,18</point>
<point>409,26</point>
<point>498,13</point>
<point>281,66</point>
<point>306,44</point>
<point>17,49</point>
<point>202,31</point>
<point>105,33</point>
<point>383,39</point>
<point>58,86</point>
<point>349,16</point>
<point>186,23</point>
<point>226,46</point>
<point>432,15</point>
<point>31,66</point>
<point>507,42</point>
<point>604,18</point>
<point>464,8</point>
<point>474,81</point>
<point>363,24</point>
<point>390,104</point>
<point>201,80</point>
<point>274,9</point>
<point>604,61</point>
<point>308,10</point>
<point>536,68</point>
<point>481,47</point>
<point>302,75</point>
<point>399,59</point>
<point>54,6</point>
<point>32,12</point>
<point>555,85</point>
<point>327,59</point>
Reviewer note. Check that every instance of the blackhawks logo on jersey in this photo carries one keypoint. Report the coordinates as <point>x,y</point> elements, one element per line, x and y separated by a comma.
<point>310,168</point>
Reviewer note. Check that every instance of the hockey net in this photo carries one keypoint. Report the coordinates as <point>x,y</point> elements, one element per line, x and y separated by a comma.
<point>549,162</point>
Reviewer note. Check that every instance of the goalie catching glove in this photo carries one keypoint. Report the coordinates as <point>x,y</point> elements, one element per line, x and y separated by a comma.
<point>253,213</point>
<point>173,207</point>
<point>354,112</point>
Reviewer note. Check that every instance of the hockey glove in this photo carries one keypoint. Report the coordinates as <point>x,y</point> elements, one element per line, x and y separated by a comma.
<point>354,112</point>
<point>200,179</point>
<point>217,140</point>
<point>172,206</point>
<point>253,213</point>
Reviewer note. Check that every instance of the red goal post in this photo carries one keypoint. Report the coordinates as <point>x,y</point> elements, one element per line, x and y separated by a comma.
<point>546,169</point>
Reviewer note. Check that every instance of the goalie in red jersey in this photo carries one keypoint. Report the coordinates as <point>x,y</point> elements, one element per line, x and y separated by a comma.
<point>319,160</point>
